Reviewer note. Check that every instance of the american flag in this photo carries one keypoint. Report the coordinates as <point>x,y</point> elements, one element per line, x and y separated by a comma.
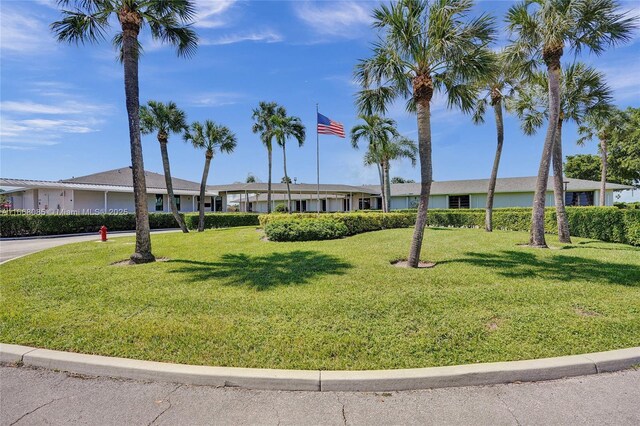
<point>326,126</point>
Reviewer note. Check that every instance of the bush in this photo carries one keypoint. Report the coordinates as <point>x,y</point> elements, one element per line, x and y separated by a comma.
<point>26,225</point>
<point>305,230</point>
<point>602,223</point>
<point>354,223</point>
<point>281,208</point>
<point>222,220</point>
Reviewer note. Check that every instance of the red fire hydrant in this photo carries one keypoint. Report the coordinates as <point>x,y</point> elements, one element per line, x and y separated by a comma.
<point>103,233</point>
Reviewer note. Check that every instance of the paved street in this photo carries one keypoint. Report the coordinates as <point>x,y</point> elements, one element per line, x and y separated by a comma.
<point>35,397</point>
<point>10,249</point>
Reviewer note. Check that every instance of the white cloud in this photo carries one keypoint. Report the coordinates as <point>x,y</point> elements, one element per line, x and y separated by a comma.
<point>266,36</point>
<point>215,99</point>
<point>22,34</point>
<point>624,80</point>
<point>209,13</point>
<point>57,111</point>
<point>342,19</point>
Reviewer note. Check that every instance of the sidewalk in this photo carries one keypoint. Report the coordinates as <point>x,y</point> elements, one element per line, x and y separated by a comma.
<point>18,247</point>
<point>40,396</point>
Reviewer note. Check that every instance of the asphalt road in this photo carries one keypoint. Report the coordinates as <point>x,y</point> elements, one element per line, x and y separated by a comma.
<point>36,397</point>
<point>13,248</point>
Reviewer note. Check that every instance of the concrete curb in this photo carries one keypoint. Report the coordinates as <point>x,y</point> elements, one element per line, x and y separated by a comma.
<point>313,380</point>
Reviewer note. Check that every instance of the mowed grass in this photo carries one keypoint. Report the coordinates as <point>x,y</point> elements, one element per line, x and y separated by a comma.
<point>227,298</point>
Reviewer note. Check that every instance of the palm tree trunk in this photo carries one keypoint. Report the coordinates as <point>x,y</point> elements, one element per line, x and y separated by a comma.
<point>387,187</point>
<point>426,174</point>
<point>558,188</point>
<point>488,218</point>
<point>132,95</point>
<point>381,176</point>
<point>286,178</point>
<point>203,186</point>
<point>537,220</point>
<point>603,174</point>
<point>270,155</point>
<point>167,178</point>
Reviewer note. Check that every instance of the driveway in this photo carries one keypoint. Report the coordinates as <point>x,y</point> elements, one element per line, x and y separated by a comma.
<point>13,248</point>
<point>34,397</point>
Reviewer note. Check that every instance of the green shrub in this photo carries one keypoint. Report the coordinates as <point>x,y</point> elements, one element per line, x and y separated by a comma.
<point>305,230</point>
<point>281,208</point>
<point>222,220</point>
<point>26,225</point>
<point>602,223</point>
<point>354,223</point>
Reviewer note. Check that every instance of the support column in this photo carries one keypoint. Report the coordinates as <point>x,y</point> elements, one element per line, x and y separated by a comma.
<point>105,201</point>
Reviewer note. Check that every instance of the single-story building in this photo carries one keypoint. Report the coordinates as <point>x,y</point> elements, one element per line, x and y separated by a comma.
<point>112,192</point>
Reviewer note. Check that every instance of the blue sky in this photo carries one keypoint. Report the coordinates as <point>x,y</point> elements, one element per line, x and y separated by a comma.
<point>63,110</point>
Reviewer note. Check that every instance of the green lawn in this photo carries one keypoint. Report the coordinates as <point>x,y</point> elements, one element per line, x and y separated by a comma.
<point>228,298</point>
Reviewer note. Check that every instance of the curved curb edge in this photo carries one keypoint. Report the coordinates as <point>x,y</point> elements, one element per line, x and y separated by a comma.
<point>315,380</point>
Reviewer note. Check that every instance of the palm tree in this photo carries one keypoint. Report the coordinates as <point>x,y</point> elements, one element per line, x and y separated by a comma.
<point>262,125</point>
<point>382,155</point>
<point>425,47</point>
<point>284,127</point>
<point>602,122</point>
<point>209,136</point>
<point>497,87</point>
<point>377,131</point>
<point>543,29</point>
<point>582,89</point>
<point>164,119</point>
<point>169,22</point>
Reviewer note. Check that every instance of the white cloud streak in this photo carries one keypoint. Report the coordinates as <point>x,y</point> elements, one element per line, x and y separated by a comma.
<point>209,13</point>
<point>341,19</point>
<point>266,36</point>
<point>215,99</point>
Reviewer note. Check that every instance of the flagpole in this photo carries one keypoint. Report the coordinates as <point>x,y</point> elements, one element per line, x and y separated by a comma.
<point>317,163</point>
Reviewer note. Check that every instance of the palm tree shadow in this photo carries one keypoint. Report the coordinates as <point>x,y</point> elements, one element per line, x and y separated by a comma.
<point>263,272</point>
<point>523,264</point>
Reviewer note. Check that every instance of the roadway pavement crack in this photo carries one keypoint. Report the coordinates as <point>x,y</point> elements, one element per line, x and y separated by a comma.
<point>167,397</point>
<point>344,416</point>
<point>36,409</point>
<point>507,407</point>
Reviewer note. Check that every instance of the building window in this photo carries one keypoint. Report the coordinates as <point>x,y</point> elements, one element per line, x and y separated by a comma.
<point>177,198</point>
<point>218,204</point>
<point>345,205</point>
<point>324,205</point>
<point>206,205</point>
<point>579,198</point>
<point>459,202</point>
<point>379,203</point>
<point>159,202</point>
<point>364,204</point>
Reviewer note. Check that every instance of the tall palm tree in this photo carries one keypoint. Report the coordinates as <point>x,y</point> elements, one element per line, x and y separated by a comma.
<point>398,148</point>
<point>283,128</point>
<point>543,30</point>
<point>601,123</point>
<point>582,89</point>
<point>425,47</point>
<point>169,22</point>
<point>497,87</point>
<point>209,136</point>
<point>262,125</point>
<point>164,119</point>
<point>377,131</point>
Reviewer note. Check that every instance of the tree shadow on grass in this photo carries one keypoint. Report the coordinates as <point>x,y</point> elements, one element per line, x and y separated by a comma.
<point>264,272</point>
<point>600,245</point>
<point>522,264</point>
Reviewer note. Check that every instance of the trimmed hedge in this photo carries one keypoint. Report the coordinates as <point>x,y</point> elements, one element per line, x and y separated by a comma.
<point>25,225</point>
<point>601,223</point>
<point>222,220</point>
<point>305,230</point>
<point>354,223</point>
